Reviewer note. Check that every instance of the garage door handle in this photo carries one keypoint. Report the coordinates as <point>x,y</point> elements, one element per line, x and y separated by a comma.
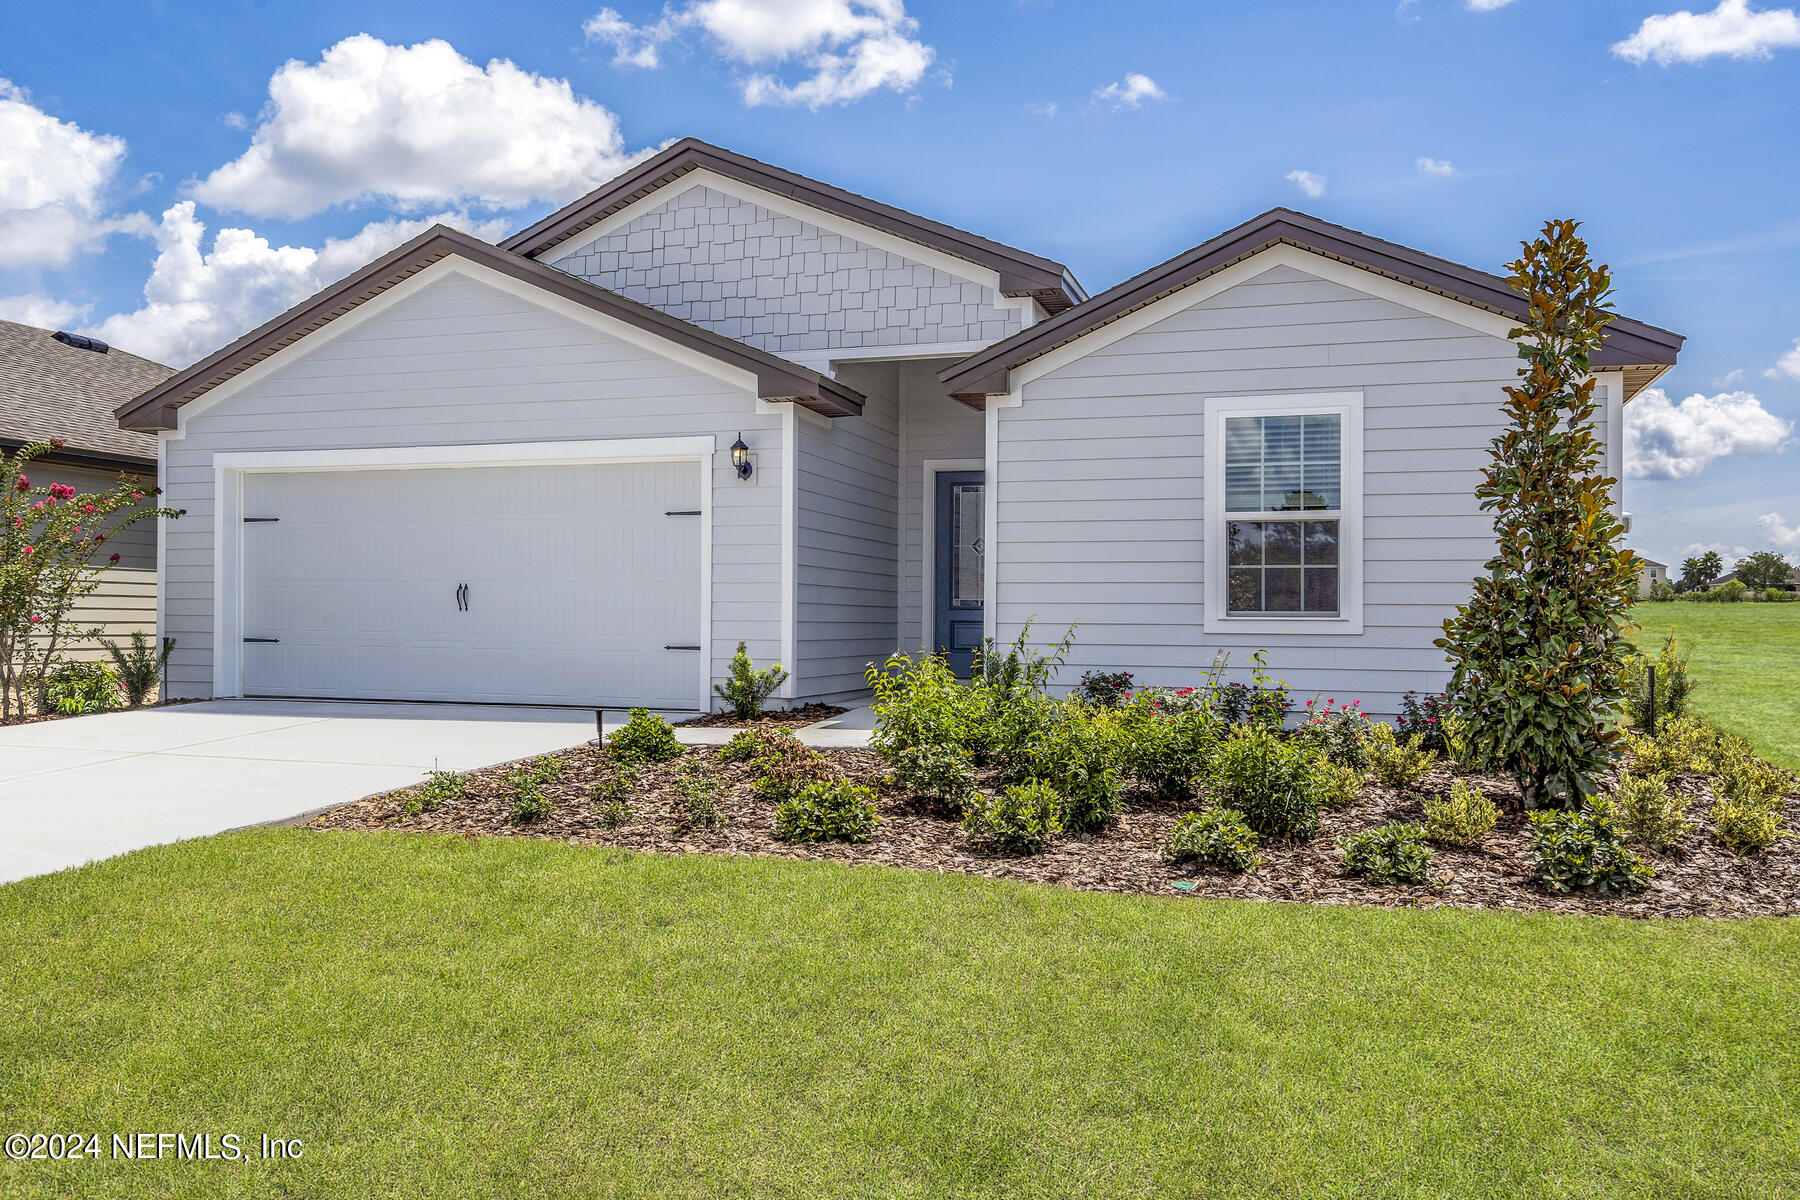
<point>682,512</point>
<point>462,597</point>
<point>269,641</point>
<point>681,647</point>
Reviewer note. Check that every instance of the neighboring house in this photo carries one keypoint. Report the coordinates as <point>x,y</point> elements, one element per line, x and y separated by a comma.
<point>61,385</point>
<point>1651,573</point>
<point>470,472</point>
<point>1792,584</point>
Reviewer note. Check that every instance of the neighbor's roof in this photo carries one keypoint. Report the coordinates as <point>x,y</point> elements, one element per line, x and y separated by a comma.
<point>776,378</point>
<point>1643,351</point>
<point>51,390</point>
<point>1021,274</point>
<point>1651,562</point>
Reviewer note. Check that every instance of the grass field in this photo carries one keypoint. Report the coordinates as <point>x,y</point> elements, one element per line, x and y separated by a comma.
<point>515,1017</point>
<point>1746,659</point>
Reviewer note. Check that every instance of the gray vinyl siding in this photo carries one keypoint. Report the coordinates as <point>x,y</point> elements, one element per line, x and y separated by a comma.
<point>125,599</point>
<point>847,539</point>
<point>782,284</point>
<point>1100,484</point>
<point>933,426</point>
<point>459,363</point>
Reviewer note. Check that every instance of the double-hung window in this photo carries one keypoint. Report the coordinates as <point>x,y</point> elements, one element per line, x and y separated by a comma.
<point>1284,513</point>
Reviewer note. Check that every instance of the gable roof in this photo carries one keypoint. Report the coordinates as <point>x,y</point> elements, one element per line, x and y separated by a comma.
<point>776,378</point>
<point>1643,351</point>
<point>52,390</point>
<point>1021,274</point>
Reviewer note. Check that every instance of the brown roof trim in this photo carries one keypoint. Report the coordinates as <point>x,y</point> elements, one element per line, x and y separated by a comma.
<point>776,378</point>
<point>1021,274</point>
<point>99,460</point>
<point>1643,350</point>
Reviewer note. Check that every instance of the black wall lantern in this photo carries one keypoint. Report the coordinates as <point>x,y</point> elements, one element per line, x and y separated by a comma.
<point>740,457</point>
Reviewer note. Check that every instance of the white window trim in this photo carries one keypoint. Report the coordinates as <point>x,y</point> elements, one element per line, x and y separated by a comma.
<point>1348,405</point>
<point>229,469</point>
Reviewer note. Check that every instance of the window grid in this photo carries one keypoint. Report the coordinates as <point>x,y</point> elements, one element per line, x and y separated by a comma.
<point>1282,565</point>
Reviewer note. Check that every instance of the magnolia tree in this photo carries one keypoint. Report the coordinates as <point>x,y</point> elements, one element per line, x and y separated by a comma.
<point>1539,651</point>
<point>52,550</point>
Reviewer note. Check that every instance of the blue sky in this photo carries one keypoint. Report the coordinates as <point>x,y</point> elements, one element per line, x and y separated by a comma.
<point>167,181</point>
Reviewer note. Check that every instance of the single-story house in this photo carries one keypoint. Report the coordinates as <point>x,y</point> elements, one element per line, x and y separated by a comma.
<point>1651,573</point>
<point>56,384</point>
<point>1791,584</point>
<point>716,401</point>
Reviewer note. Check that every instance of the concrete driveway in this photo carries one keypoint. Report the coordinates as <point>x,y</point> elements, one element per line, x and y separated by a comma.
<point>91,787</point>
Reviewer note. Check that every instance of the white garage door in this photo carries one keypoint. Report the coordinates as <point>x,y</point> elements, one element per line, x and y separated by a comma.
<point>563,584</point>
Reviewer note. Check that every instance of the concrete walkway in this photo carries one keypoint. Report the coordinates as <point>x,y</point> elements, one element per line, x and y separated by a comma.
<point>85,788</point>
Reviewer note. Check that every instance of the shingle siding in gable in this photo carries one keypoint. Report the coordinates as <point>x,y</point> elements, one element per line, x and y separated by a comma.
<point>781,284</point>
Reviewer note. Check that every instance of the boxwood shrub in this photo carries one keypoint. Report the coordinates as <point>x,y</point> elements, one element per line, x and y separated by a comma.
<point>645,738</point>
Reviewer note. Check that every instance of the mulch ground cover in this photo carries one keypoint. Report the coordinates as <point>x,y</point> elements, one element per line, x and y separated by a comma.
<point>1696,877</point>
<point>34,718</point>
<point>786,718</point>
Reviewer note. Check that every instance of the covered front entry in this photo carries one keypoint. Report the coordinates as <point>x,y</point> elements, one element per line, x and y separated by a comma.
<point>958,572</point>
<point>554,583</point>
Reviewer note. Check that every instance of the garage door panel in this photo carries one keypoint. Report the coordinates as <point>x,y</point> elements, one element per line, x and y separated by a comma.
<point>577,579</point>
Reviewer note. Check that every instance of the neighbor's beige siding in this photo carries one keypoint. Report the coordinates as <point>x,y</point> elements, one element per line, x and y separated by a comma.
<point>125,599</point>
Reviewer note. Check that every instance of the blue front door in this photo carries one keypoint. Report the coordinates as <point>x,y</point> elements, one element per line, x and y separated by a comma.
<point>959,571</point>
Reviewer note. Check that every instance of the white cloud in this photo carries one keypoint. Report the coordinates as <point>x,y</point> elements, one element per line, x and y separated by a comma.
<point>54,177</point>
<point>851,47</point>
<point>43,311</point>
<point>1130,92</point>
<point>1308,182</point>
<point>1733,29</point>
<point>1487,5</point>
<point>1788,365</point>
<point>415,127</point>
<point>1730,377</point>
<point>1435,166</point>
<point>1780,532</point>
<point>196,300</point>
<point>1664,440</point>
<point>1046,109</point>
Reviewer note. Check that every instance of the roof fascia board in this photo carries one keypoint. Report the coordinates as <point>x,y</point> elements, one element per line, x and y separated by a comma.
<point>786,206</point>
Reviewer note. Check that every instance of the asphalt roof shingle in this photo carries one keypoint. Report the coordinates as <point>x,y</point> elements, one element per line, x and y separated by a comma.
<point>50,390</point>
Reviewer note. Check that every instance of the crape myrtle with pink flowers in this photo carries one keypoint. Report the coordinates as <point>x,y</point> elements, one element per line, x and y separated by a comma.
<point>53,548</point>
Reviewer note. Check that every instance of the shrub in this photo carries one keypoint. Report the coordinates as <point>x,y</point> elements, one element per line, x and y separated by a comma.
<point>1742,825</point>
<point>1661,591</point>
<point>440,788</point>
<point>1075,755</point>
<point>1217,837</point>
<point>1741,775</point>
<point>1426,717</point>
<point>944,773</point>
<point>699,790</point>
<point>1164,748</point>
<point>1004,724</point>
<point>745,688</point>
<point>1339,786</point>
<point>783,776</point>
<point>1584,851</point>
<point>1391,853</point>
<point>1336,732</point>
<point>1104,688</point>
<point>139,668</point>
<point>645,738</point>
<point>615,812</point>
<point>1731,592</point>
<point>748,744</point>
<point>526,784</point>
<point>1021,819</point>
<point>613,796</point>
<point>1261,705</point>
<point>1672,686</point>
<point>1650,812</point>
<point>74,688</point>
<point>1680,745</point>
<point>1399,764</point>
<point>1274,784</point>
<point>835,811</point>
<point>1779,595</point>
<point>1460,818</point>
<point>917,704</point>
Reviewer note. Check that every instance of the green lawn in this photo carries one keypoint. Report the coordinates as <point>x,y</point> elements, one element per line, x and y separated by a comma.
<point>512,1017</point>
<point>1746,658</point>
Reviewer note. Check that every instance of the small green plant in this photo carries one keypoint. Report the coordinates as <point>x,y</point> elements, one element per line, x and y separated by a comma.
<point>1741,775</point>
<point>1104,688</point>
<point>944,773</point>
<point>1339,785</point>
<point>1336,732</point>
<point>1585,851</point>
<point>834,811</point>
<point>1397,763</point>
<point>1651,813</point>
<point>440,788</point>
<point>645,738</point>
<point>1075,756</point>
<point>699,790</point>
<point>1020,820</point>
<point>781,777</point>
<point>1673,687</point>
<point>1682,744</point>
<point>1165,746</point>
<point>1461,818</point>
<point>749,744</point>
<point>74,688</point>
<point>917,703</point>
<point>615,812</point>
<point>140,668</point>
<point>745,688</point>
<point>1393,853</point>
<point>526,784</point>
<point>1743,825</point>
<point>1273,783</point>
<point>1217,837</point>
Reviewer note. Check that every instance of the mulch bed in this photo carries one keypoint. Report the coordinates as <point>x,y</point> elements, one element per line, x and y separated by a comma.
<point>772,718</point>
<point>1696,877</point>
<point>34,718</point>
